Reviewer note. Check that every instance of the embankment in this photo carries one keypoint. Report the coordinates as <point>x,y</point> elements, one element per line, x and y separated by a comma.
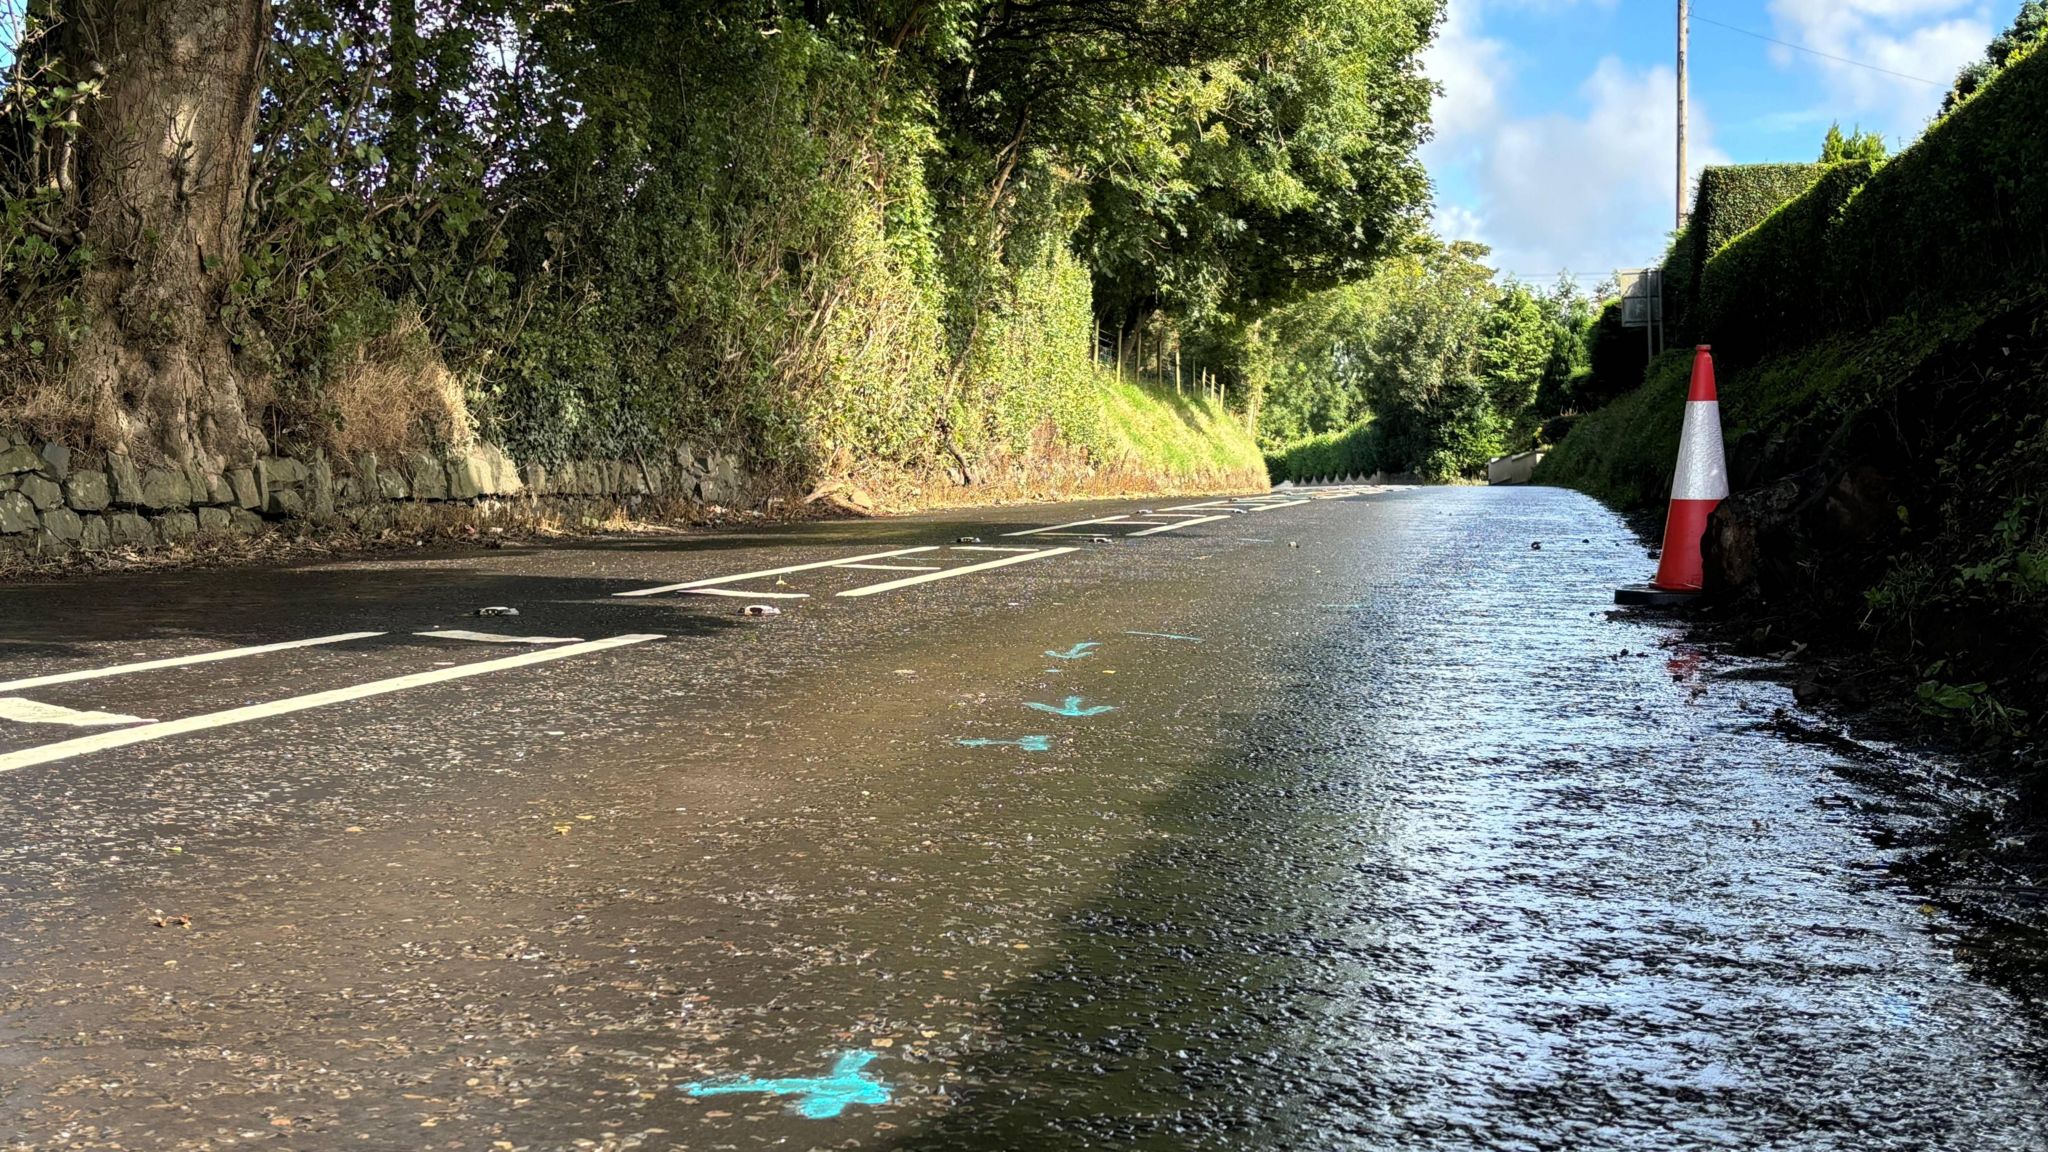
<point>1882,351</point>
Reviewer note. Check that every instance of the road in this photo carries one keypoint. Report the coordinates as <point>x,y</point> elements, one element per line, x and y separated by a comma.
<point>1350,819</point>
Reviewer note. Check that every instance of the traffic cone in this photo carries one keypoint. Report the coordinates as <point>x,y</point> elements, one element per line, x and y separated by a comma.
<point>1697,488</point>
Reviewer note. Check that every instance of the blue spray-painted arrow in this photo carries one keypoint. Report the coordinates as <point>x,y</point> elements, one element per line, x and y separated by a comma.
<point>1071,707</point>
<point>1027,743</point>
<point>1076,652</point>
<point>823,1097</point>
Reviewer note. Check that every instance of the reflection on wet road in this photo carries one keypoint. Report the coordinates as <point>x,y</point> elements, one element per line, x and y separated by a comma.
<point>1355,824</point>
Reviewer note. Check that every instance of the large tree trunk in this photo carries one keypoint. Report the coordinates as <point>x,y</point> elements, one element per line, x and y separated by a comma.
<point>161,180</point>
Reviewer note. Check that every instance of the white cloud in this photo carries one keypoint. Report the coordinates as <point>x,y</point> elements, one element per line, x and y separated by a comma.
<point>1469,67</point>
<point>1929,39</point>
<point>1588,192</point>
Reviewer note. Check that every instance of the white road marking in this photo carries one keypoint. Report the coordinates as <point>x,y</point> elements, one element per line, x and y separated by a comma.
<point>26,711</point>
<point>1270,507</point>
<point>988,548</point>
<point>1178,524</point>
<point>744,594</point>
<point>734,579</point>
<point>1073,524</point>
<point>949,573</point>
<point>896,567</point>
<point>162,729</point>
<point>178,661</point>
<point>493,638</point>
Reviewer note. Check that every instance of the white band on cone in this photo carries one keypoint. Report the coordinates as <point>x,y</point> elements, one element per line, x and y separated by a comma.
<point>1702,468</point>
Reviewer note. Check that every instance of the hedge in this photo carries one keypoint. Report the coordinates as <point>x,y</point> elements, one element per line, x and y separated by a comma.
<point>1733,199</point>
<point>1962,211</point>
<point>1761,291</point>
<point>1730,201</point>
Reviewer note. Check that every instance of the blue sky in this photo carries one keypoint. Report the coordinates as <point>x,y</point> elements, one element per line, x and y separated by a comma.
<point>1556,127</point>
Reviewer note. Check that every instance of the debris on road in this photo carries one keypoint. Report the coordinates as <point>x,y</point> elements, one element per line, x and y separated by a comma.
<point>761,610</point>
<point>968,540</point>
<point>496,610</point>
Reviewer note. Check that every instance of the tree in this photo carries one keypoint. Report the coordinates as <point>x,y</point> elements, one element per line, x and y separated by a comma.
<point>1858,145</point>
<point>141,154</point>
<point>2027,29</point>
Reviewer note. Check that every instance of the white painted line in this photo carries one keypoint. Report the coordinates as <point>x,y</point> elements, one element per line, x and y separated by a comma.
<point>988,548</point>
<point>1270,507</point>
<point>1203,506</point>
<point>162,729</point>
<point>1178,525</point>
<point>26,711</point>
<point>690,584</point>
<point>178,661</point>
<point>1073,524</point>
<point>948,574</point>
<point>743,594</point>
<point>493,638</point>
<point>896,567</point>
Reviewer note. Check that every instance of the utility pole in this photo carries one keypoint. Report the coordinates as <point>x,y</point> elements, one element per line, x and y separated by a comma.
<point>1683,19</point>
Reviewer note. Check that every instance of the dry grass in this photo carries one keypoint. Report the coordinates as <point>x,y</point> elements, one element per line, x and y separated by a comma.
<point>397,395</point>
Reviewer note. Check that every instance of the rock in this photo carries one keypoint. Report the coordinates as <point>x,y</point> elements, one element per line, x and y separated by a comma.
<point>320,478</point>
<point>56,460</point>
<point>243,522</point>
<point>126,529</point>
<point>248,494</point>
<point>195,482</point>
<point>391,484</point>
<point>41,491</point>
<point>469,476</point>
<point>21,458</point>
<point>127,481</point>
<point>214,521</point>
<point>95,535</point>
<point>218,490</point>
<point>284,502</point>
<point>64,524</point>
<point>17,514</point>
<point>283,470</point>
<point>534,477</point>
<point>165,488</point>
<point>177,527</point>
<point>429,478</point>
<point>507,481</point>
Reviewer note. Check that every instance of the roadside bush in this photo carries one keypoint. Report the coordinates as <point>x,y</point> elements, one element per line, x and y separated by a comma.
<point>1760,290</point>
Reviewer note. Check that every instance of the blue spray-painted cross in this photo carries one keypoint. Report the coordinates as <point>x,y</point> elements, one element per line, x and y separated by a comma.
<point>1076,652</point>
<point>1071,707</point>
<point>823,1097</point>
<point>1027,743</point>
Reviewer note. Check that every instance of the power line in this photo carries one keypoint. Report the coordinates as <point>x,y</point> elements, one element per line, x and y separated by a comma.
<point>1817,52</point>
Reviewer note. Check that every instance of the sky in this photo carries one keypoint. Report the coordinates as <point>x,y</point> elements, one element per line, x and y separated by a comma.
<point>1556,127</point>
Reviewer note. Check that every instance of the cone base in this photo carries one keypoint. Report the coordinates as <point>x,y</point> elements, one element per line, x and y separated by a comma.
<point>1651,596</point>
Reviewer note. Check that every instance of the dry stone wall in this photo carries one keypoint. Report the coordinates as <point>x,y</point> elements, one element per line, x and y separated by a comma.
<point>54,502</point>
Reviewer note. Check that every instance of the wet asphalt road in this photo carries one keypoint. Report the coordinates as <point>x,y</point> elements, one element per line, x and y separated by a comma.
<point>1390,837</point>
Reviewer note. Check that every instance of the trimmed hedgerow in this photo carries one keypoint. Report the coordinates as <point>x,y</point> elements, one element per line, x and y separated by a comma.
<point>1760,290</point>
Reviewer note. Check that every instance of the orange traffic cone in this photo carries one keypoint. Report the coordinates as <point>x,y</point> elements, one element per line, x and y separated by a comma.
<point>1697,487</point>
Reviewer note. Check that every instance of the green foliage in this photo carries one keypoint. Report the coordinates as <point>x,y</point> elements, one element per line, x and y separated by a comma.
<point>819,233</point>
<point>1733,199</point>
<point>2029,26</point>
<point>1761,291</point>
<point>1836,148</point>
<point>1428,366</point>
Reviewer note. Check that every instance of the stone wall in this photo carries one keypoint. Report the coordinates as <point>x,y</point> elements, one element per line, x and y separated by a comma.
<point>54,502</point>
